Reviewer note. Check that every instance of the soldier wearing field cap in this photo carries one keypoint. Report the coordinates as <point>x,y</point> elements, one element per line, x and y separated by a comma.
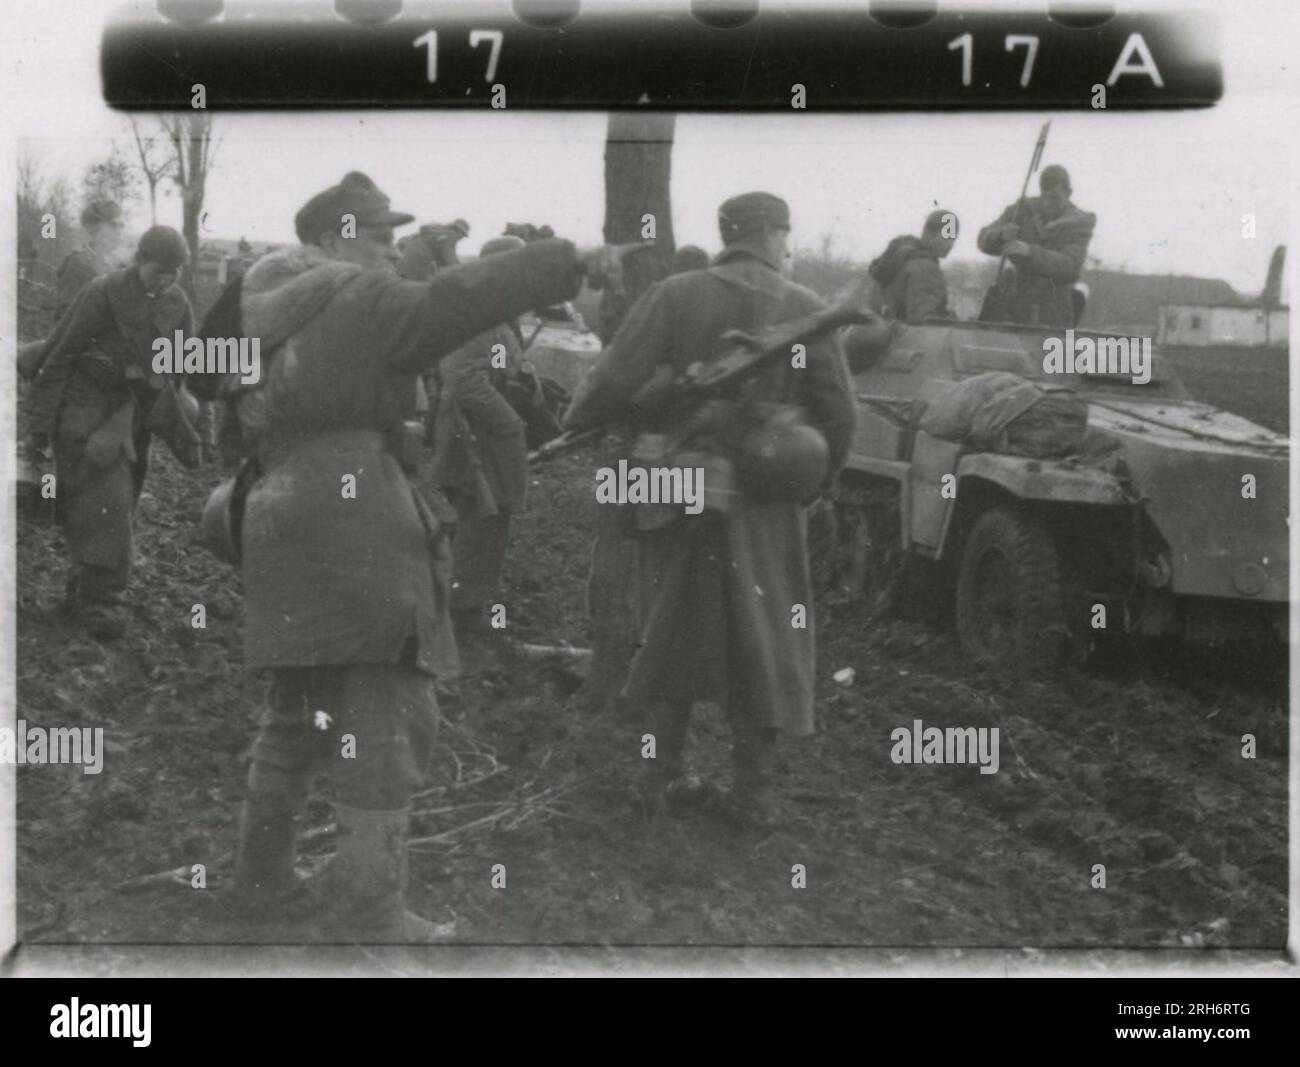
<point>717,591</point>
<point>1045,239</point>
<point>335,538</point>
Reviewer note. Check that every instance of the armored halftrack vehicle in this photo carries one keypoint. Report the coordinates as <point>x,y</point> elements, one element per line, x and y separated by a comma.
<point>1174,523</point>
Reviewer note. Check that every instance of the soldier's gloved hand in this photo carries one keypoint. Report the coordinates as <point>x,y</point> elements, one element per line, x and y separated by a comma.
<point>1016,248</point>
<point>1009,231</point>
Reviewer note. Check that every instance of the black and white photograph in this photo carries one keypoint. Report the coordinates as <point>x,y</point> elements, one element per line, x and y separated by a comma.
<point>783,524</point>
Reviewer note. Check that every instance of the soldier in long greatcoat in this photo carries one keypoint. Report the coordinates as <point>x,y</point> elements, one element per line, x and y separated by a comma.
<point>718,593</point>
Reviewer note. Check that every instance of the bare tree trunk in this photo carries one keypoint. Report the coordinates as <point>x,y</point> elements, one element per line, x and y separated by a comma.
<point>190,135</point>
<point>638,167</point>
<point>152,166</point>
<point>638,173</point>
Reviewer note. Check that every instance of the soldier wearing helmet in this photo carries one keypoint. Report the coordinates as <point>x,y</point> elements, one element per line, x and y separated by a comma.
<point>97,398</point>
<point>717,591</point>
<point>1045,240</point>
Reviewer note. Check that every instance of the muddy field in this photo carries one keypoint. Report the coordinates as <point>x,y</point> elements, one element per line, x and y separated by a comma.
<point>1136,766</point>
<point>1253,382</point>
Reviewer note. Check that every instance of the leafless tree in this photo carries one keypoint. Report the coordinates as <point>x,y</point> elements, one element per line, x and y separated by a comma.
<point>155,164</point>
<point>40,247</point>
<point>112,178</point>
<point>192,148</point>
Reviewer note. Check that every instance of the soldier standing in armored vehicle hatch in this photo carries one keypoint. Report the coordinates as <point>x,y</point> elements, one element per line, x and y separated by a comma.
<point>93,398</point>
<point>911,281</point>
<point>335,538</point>
<point>1046,239</point>
<point>717,592</point>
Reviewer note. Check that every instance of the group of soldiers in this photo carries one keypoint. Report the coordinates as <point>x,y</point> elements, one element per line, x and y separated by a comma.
<point>1041,243</point>
<point>350,575</point>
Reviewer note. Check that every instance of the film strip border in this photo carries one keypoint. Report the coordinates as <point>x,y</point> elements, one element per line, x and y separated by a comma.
<point>701,55</point>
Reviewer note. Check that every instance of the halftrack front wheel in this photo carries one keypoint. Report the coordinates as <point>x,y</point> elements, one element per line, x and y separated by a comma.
<point>1009,598</point>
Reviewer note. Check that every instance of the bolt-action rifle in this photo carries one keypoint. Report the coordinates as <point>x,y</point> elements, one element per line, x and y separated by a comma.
<point>685,401</point>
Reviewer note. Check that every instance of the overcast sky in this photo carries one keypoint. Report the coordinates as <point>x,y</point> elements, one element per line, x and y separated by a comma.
<point>1169,189</point>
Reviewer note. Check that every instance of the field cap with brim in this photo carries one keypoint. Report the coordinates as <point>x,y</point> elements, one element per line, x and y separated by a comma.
<point>749,214</point>
<point>355,195</point>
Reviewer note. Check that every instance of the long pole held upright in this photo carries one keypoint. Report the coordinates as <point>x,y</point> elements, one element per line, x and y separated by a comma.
<point>1039,145</point>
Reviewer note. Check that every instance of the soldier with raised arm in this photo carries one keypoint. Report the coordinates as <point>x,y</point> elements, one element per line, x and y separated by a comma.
<point>335,538</point>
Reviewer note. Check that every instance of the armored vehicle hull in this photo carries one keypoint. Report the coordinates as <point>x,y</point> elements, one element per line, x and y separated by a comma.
<point>1171,518</point>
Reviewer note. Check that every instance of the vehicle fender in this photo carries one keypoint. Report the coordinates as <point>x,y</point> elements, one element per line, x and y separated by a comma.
<point>1040,480</point>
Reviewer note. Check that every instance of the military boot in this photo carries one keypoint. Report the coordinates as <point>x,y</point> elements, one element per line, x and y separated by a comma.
<point>104,620</point>
<point>368,879</point>
<point>664,784</point>
<point>91,600</point>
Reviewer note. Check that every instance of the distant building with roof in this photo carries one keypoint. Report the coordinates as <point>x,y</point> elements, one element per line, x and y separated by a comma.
<point>1224,324</point>
<point>1264,322</point>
